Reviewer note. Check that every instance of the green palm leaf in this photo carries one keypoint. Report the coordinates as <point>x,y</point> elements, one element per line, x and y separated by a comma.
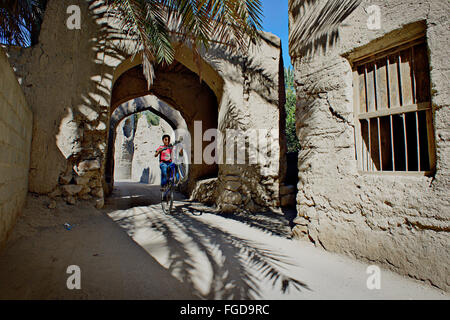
<point>19,20</point>
<point>196,23</point>
<point>154,24</point>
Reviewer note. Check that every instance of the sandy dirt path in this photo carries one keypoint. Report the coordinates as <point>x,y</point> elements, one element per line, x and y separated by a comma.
<point>131,250</point>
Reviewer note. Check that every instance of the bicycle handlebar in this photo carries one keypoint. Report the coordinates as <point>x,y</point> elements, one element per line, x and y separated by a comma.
<point>174,144</point>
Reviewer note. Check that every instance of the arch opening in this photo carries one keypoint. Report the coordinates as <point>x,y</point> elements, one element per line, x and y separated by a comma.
<point>174,85</point>
<point>134,147</point>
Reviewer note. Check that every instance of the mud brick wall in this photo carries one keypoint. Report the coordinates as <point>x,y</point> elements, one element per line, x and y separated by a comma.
<point>16,122</point>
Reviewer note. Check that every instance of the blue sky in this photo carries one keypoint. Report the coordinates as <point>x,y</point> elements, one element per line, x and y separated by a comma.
<point>275,20</point>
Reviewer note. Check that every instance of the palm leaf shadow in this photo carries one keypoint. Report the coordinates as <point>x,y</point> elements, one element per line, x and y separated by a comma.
<point>314,24</point>
<point>231,278</point>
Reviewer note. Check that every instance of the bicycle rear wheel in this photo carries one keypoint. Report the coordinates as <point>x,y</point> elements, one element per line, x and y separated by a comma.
<point>167,199</point>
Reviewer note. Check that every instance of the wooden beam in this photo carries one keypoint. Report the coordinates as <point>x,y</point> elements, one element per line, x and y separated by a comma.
<point>398,173</point>
<point>380,157</point>
<point>375,93</point>
<point>398,110</point>
<point>413,75</point>
<point>392,143</point>
<point>388,93</point>
<point>405,71</point>
<point>394,96</point>
<point>381,53</point>
<point>405,139</point>
<point>356,108</point>
<point>431,142</point>
<point>370,146</point>
<point>418,141</point>
<point>382,85</point>
<point>400,80</point>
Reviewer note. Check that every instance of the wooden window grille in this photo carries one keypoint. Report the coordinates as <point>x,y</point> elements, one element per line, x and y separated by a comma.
<point>394,129</point>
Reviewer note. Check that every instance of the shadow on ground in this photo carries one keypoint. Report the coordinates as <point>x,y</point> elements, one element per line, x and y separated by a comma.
<point>34,262</point>
<point>218,256</point>
<point>131,250</point>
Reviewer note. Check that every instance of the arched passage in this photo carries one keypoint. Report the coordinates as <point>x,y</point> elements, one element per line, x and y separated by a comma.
<point>124,112</point>
<point>72,115</point>
<point>179,87</point>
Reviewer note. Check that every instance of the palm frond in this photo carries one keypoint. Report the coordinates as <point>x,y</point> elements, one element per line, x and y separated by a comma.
<point>315,20</point>
<point>196,23</point>
<point>221,19</point>
<point>144,21</point>
<point>19,19</point>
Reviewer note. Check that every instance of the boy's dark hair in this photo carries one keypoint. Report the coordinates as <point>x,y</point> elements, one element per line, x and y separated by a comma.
<point>166,135</point>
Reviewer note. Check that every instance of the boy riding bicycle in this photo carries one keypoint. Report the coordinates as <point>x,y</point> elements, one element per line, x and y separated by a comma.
<point>165,158</point>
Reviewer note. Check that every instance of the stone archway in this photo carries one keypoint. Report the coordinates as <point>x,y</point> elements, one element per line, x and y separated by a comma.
<point>72,116</point>
<point>124,128</point>
<point>179,87</point>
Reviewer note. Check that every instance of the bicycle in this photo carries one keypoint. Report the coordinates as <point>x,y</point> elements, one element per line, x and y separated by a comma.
<point>177,173</point>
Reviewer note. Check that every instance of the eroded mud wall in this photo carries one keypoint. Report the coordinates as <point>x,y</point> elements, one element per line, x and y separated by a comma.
<point>396,220</point>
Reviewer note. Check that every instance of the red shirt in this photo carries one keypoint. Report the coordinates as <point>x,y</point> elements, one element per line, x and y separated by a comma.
<point>165,155</point>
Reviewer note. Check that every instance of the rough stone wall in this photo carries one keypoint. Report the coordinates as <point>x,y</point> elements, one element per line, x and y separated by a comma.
<point>124,148</point>
<point>16,121</point>
<point>68,80</point>
<point>205,191</point>
<point>255,104</point>
<point>65,78</point>
<point>401,222</point>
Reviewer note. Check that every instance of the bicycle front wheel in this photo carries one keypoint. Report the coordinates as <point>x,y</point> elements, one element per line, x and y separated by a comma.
<point>167,200</point>
<point>183,172</point>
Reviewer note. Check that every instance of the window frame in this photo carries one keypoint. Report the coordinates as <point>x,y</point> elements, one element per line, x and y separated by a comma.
<point>413,108</point>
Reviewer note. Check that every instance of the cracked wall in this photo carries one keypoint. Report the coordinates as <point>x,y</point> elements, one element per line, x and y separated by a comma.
<point>68,80</point>
<point>398,221</point>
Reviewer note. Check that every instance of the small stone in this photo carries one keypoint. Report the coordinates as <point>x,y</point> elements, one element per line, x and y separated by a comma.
<point>232,185</point>
<point>300,232</point>
<point>71,200</point>
<point>88,165</point>
<point>81,180</point>
<point>65,179</point>
<point>94,183</point>
<point>52,204</point>
<point>228,208</point>
<point>232,178</point>
<point>268,181</point>
<point>56,193</point>
<point>71,189</point>
<point>85,190</point>
<point>99,203</point>
<point>301,221</point>
<point>230,197</point>
<point>310,213</point>
<point>86,197</point>
<point>250,206</point>
<point>101,126</point>
<point>98,192</point>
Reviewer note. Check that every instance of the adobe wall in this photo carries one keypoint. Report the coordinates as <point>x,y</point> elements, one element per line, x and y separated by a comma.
<point>68,79</point>
<point>16,121</point>
<point>400,222</point>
